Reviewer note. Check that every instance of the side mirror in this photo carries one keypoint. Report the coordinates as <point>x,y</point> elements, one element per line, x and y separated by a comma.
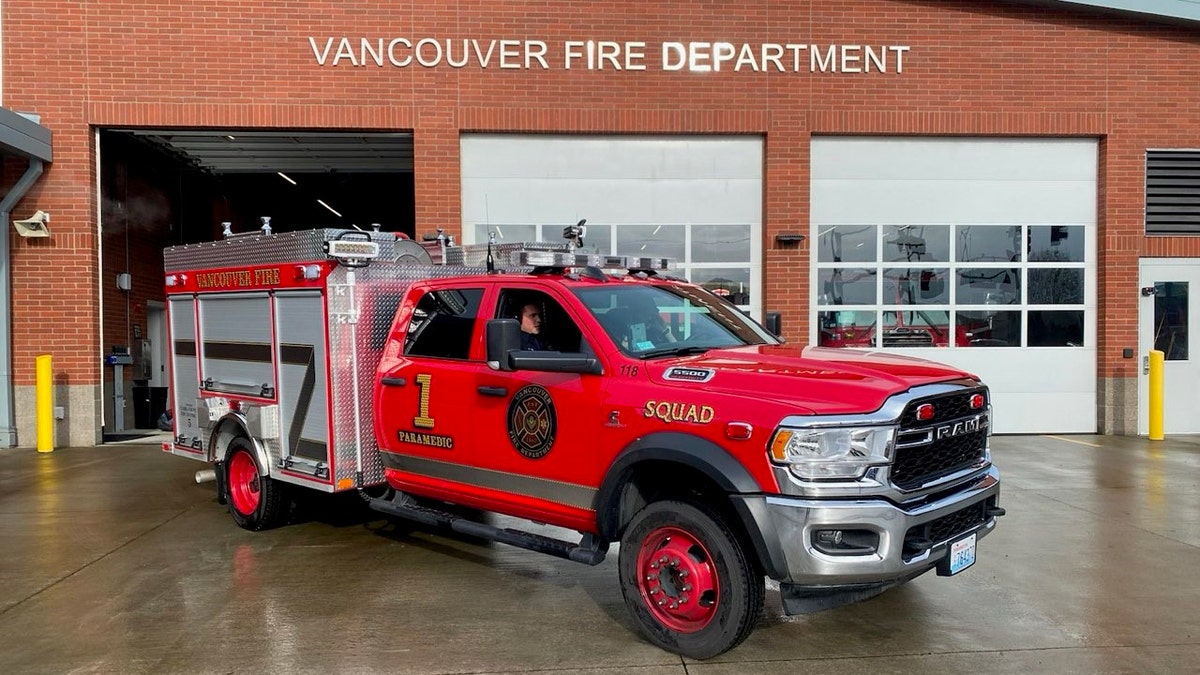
<point>774,323</point>
<point>503,338</point>
<point>504,353</point>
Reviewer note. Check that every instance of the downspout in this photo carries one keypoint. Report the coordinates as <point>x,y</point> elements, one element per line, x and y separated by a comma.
<point>8,427</point>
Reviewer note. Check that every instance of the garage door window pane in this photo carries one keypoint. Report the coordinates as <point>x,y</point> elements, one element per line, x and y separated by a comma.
<point>1170,319</point>
<point>916,328</point>
<point>989,329</point>
<point>1056,243</point>
<point>506,233</point>
<point>1056,286</point>
<point>989,286</point>
<point>847,243</point>
<point>731,283</point>
<point>846,286</point>
<point>916,286</point>
<point>989,243</point>
<point>656,240</point>
<point>846,328</point>
<point>1055,328</point>
<point>597,239</point>
<point>720,243</point>
<point>916,243</point>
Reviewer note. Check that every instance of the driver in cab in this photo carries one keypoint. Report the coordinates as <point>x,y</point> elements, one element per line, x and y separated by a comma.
<point>531,329</point>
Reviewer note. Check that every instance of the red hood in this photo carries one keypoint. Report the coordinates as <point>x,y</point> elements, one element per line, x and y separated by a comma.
<point>812,380</point>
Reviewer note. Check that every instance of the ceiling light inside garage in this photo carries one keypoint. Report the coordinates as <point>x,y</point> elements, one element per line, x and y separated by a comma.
<point>285,151</point>
<point>331,209</point>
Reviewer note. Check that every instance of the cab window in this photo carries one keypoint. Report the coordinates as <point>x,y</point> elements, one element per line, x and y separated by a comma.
<point>535,310</point>
<point>443,322</point>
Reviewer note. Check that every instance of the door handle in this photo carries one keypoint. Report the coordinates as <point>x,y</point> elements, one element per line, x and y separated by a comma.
<point>393,381</point>
<point>493,391</point>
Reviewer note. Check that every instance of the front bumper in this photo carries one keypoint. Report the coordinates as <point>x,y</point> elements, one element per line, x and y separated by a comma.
<point>788,526</point>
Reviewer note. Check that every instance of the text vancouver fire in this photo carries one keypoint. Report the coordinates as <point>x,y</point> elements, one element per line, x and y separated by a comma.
<point>781,57</point>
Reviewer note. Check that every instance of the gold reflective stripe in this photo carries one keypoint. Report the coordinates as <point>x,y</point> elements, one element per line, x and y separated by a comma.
<point>558,492</point>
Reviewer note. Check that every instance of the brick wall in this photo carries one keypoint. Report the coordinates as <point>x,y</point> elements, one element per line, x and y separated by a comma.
<point>977,68</point>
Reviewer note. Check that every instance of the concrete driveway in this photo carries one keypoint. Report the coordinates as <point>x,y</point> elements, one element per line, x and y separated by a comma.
<point>114,561</point>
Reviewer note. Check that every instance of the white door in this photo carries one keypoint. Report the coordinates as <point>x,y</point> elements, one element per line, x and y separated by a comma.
<point>975,252</point>
<point>697,199</point>
<point>156,333</point>
<point>1170,292</point>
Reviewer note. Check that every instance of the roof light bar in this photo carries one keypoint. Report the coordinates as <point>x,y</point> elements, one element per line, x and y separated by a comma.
<point>525,258</point>
<point>656,264</point>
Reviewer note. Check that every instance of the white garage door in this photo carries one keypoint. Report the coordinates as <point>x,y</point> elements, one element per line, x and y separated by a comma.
<point>980,253</point>
<point>697,199</point>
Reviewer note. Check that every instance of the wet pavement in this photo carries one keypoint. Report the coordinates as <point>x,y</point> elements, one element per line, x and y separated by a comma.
<point>115,561</point>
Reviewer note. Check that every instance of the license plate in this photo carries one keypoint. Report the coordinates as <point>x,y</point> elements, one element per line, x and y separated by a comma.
<point>962,554</point>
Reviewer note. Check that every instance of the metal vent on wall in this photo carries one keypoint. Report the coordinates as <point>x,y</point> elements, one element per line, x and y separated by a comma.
<point>1173,192</point>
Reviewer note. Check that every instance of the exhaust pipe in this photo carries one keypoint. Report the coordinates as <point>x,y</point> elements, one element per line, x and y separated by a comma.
<point>206,476</point>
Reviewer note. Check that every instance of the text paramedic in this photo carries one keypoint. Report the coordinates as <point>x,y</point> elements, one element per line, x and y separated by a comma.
<point>701,57</point>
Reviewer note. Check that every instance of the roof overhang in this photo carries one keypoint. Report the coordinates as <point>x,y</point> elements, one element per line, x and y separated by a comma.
<point>1179,12</point>
<point>21,136</point>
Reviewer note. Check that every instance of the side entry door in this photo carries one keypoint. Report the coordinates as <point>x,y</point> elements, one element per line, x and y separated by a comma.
<point>539,431</point>
<point>423,418</point>
<point>1169,298</point>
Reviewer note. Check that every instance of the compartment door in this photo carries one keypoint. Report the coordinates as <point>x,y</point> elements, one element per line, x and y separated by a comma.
<point>190,438</point>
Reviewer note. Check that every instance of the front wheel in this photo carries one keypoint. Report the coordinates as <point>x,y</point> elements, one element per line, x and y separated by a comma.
<point>687,581</point>
<point>257,502</point>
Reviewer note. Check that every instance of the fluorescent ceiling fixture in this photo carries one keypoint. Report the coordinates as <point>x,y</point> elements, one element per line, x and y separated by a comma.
<point>331,210</point>
<point>656,230</point>
<point>285,177</point>
<point>230,138</point>
<point>499,234</point>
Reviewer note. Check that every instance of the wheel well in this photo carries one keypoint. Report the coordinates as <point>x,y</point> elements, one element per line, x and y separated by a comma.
<point>656,480</point>
<point>227,431</point>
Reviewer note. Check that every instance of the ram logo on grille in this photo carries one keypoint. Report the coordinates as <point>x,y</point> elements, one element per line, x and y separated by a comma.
<point>968,426</point>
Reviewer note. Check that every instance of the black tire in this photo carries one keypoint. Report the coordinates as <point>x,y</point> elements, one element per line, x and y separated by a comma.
<point>256,502</point>
<point>708,595</point>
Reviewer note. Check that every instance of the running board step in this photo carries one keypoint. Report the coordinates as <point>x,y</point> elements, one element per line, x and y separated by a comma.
<point>589,551</point>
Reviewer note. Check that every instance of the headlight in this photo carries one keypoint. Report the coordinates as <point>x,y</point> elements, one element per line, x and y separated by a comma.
<point>835,453</point>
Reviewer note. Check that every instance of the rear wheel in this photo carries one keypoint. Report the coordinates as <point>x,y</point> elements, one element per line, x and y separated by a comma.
<point>257,502</point>
<point>687,581</point>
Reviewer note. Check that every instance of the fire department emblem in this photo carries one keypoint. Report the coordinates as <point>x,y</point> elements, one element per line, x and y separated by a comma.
<point>531,422</point>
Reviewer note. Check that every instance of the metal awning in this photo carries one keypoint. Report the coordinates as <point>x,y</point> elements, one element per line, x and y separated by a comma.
<point>1180,12</point>
<point>226,151</point>
<point>23,137</point>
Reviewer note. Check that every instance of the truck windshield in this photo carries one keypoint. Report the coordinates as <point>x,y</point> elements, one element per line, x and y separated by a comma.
<point>647,320</point>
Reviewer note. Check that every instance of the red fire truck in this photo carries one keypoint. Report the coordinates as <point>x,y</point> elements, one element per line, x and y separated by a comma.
<point>652,414</point>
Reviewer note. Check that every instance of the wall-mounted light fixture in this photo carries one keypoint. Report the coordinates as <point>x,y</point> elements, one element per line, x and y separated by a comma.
<point>34,226</point>
<point>787,239</point>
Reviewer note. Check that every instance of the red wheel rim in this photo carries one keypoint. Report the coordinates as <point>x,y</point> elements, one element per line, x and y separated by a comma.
<point>677,579</point>
<point>244,485</point>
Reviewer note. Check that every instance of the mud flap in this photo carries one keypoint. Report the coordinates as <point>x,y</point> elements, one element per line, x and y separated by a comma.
<point>220,474</point>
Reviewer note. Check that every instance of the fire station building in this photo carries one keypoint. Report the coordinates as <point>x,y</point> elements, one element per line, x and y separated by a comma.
<point>1011,187</point>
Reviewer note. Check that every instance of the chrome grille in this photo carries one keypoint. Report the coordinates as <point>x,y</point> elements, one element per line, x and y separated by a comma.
<point>921,456</point>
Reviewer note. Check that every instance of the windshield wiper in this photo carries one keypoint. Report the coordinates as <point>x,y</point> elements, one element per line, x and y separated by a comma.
<point>674,351</point>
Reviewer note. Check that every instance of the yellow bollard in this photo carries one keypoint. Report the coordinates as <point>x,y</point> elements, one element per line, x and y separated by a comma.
<point>1156,395</point>
<point>45,403</point>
